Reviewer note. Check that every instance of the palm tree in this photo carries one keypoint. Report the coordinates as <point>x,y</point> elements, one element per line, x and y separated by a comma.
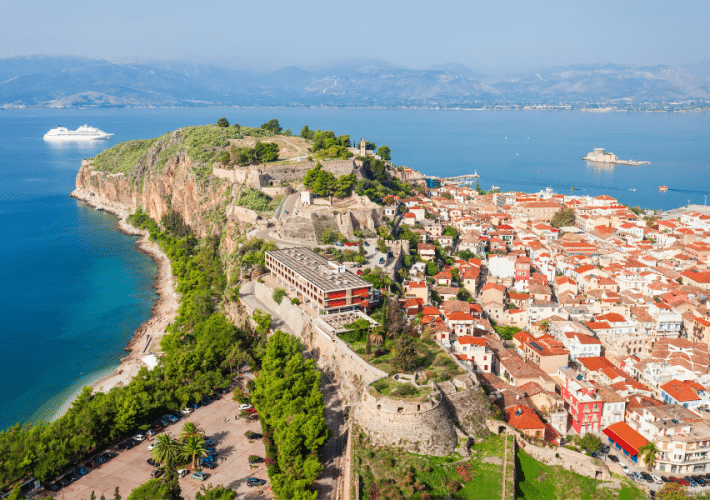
<point>648,453</point>
<point>166,449</point>
<point>544,326</point>
<point>193,447</point>
<point>190,429</point>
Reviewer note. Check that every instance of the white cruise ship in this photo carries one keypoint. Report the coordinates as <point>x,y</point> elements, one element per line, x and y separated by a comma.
<point>83,133</point>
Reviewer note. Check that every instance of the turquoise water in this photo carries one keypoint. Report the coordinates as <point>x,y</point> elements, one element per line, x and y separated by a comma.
<point>74,289</point>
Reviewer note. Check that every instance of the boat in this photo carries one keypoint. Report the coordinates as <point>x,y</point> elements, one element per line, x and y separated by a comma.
<point>632,189</point>
<point>83,133</point>
<point>663,189</point>
<point>599,155</point>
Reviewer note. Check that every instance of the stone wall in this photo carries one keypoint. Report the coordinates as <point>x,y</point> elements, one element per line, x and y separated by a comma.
<point>278,191</point>
<point>416,425</point>
<point>298,229</point>
<point>571,460</point>
<point>272,175</point>
<point>468,410</point>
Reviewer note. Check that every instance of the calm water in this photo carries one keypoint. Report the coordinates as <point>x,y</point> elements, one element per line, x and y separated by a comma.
<point>74,289</point>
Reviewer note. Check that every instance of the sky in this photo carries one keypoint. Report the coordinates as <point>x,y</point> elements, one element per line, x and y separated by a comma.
<point>493,36</point>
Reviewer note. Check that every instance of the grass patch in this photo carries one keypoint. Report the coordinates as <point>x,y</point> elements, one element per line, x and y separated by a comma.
<point>392,474</point>
<point>390,387</point>
<point>436,363</point>
<point>538,481</point>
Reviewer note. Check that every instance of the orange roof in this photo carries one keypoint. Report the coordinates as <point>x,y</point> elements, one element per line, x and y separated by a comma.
<point>680,391</point>
<point>626,437</point>
<point>469,339</point>
<point>459,316</point>
<point>522,417</point>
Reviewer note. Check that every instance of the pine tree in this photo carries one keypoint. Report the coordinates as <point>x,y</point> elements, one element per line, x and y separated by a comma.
<point>116,495</point>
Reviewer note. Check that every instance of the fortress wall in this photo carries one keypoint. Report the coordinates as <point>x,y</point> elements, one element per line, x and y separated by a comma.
<point>276,191</point>
<point>428,432</point>
<point>469,410</point>
<point>276,174</point>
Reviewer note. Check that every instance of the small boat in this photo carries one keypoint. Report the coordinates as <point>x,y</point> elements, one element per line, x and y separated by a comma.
<point>634,189</point>
<point>493,188</point>
<point>663,189</point>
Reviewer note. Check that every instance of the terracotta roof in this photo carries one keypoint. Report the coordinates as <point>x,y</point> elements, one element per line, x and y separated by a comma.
<point>458,316</point>
<point>583,338</point>
<point>521,417</point>
<point>680,391</point>
<point>469,339</point>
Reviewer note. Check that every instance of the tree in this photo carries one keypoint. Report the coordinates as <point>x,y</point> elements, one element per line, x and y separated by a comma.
<point>306,132</point>
<point>672,491</point>
<point>165,451</point>
<point>451,231</point>
<point>544,326</point>
<point>116,494</point>
<point>648,453</point>
<point>563,217</point>
<point>405,353</point>
<point>590,442</point>
<point>16,494</point>
<point>155,489</point>
<point>193,447</point>
<point>278,295</point>
<point>395,318</point>
<point>431,268</point>
<point>359,327</point>
<point>272,126</point>
<point>222,122</point>
<point>381,245</point>
<point>225,158</point>
<point>214,493</point>
<point>384,153</point>
<point>191,429</point>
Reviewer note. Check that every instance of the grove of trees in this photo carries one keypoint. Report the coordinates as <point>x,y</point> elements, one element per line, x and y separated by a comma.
<point>291,406</point>
<point>324,183</point>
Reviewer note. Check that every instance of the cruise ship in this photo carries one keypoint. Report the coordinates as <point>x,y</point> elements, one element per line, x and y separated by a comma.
<point>83,133</point>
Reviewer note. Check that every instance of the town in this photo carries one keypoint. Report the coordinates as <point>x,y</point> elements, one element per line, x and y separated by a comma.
<point>577,314</point>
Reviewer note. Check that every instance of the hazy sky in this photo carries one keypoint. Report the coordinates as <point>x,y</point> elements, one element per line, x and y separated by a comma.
<point>494,35</point>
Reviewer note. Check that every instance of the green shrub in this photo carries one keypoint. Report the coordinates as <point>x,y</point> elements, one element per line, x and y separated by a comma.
<point>278,295</point>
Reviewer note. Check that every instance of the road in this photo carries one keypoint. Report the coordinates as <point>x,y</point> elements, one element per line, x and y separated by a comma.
<point>290,204</point>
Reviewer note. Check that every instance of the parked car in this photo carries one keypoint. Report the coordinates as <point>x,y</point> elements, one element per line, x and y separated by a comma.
<point>625,469</point>
<point>157,473</point>
<point>152,462</point>
<point>613,458</point>
<point>665,479</point>
<point>208,464</point>
<point>605,448</point>
<point>255,460</point>
<point>253,481</point>
<point>150,433</point>
<point>186,411</point>
<point>209,441</point>
<point>200,476</point>
<point>367,244</point>
<point>382,260</point>
<point>657,480</point>
<point>286,212</point>
<point>647,477</point>
<point>638,477</point>
<point>244,406</point>
<point>81,470</point>
<point>139,437</point>
<point>52,487</point>
<point>183,472</point>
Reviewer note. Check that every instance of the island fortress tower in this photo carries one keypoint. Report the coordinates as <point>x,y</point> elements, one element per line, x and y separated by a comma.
<point>600,155</point>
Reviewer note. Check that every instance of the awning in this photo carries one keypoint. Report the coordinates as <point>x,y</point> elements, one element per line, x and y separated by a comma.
<point>626,437</point>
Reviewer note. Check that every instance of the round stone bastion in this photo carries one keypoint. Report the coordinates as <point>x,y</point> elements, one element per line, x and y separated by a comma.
<point>419,425</point>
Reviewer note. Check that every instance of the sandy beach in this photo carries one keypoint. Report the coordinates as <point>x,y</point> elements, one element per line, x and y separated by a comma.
<point>146,339</point>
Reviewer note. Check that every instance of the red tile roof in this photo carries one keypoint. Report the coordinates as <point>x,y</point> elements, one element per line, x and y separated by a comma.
<point>681,391</point>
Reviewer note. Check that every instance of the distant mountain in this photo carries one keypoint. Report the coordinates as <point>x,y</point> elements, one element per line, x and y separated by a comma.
<point>81,82</point>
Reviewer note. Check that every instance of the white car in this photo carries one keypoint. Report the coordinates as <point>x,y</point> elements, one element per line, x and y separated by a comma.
<point>657,480</point>
<point>183,472</point>
<point>186,411</point>
<point>152,445</point>
<point>625,469</point>
<point>139,437</point>
<point>244,406</point>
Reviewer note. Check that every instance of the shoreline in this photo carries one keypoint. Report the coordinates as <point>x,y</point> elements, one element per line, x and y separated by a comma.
<point>146,338</point>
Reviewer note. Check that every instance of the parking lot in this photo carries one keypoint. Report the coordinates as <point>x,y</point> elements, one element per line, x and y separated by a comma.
<point>130,469</point>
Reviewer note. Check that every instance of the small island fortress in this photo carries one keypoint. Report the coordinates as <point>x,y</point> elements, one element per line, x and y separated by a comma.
<point>601,156</point>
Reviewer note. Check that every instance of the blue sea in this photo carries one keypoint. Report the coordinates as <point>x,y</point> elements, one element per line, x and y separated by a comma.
<point>74,289</point>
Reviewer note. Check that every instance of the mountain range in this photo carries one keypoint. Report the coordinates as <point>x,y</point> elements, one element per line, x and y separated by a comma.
<point>61,82</point>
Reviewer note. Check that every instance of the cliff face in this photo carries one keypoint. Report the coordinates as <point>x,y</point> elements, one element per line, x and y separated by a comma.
<point>202,203</point>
